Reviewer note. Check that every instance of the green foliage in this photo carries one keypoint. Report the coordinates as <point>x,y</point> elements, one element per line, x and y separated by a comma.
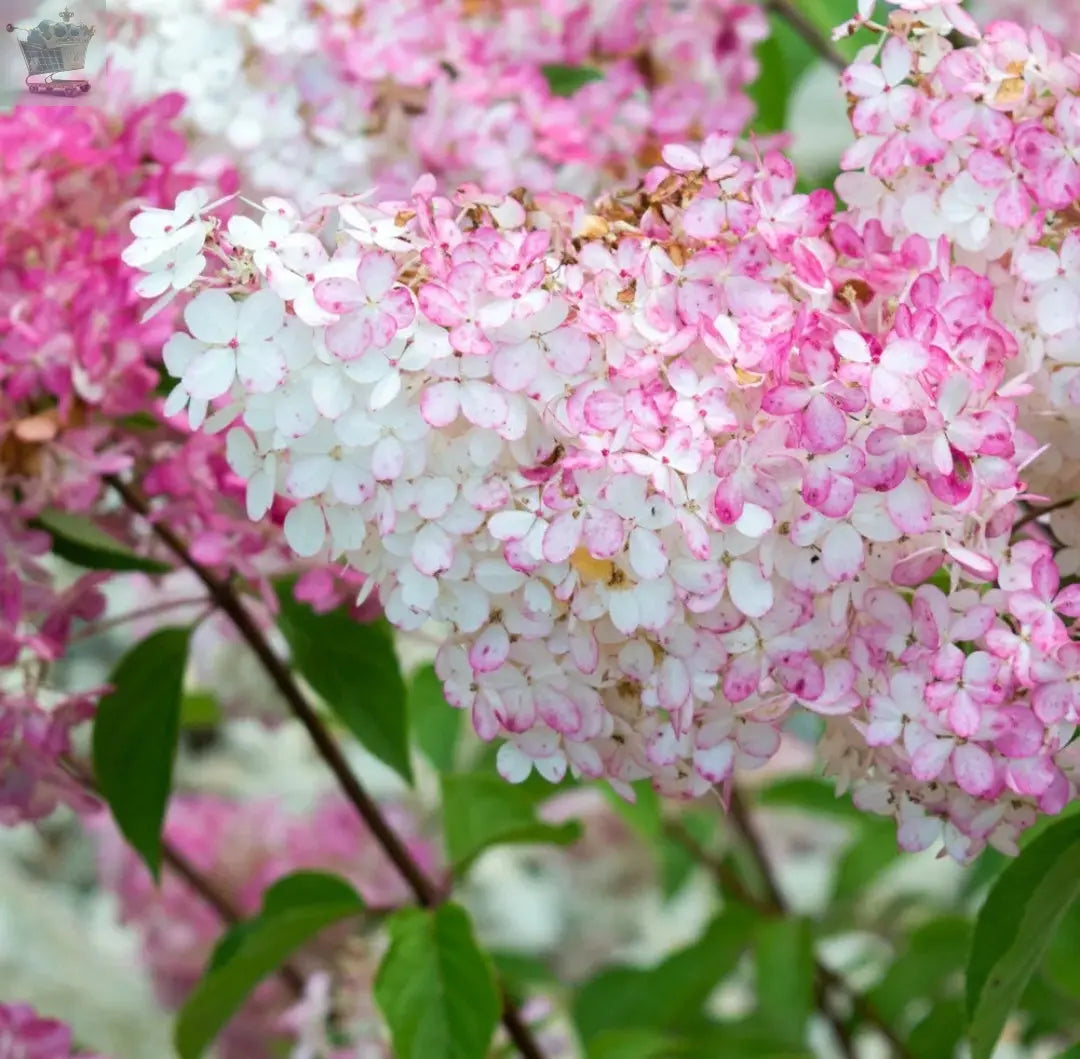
<point>784,955</point>
<point>480,810</point>
<point>135,736</point>
<point>872,851</point>
<point>355,670</point>
<point>436,725</point>
<point>929,966</point>
<point>566,80</point>
<point>82,542</point>
<point>520,974</point>
<point>1015,926</point>
<point>939,1033</point>
<point>669,996</point>
<point>199,710</point>
<point>1062,963</point>
<point>436,987</point>
<point>772,87</point>
<point>295,909</point>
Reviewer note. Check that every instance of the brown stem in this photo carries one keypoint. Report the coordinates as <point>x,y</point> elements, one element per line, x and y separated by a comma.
<point>222,593</point>
<point>1037,512</point>
<point>825,978</point>
<point>805,27</point>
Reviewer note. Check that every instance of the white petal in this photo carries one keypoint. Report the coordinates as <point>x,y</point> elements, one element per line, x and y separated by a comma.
<point>176,402</point>
<point>624,611</point>
<point>552,768</point>
<point>240,453</point>
<point>331,394</point>
<point>260,366</point>
<point>647,554</point>
<point>513,765</point>
<point>211,373</point>
<point>243,231</point>
<point>179,352</point>
<point>432,550</point>
<point>483,405</point>
<point>309,476</point>
<point>153,284</point>
<point>260,493</point>
<point>347,529</point>
<point>305,529</point>
<point>750,590</point>
<point>261,316</point>
<point>212,317</point>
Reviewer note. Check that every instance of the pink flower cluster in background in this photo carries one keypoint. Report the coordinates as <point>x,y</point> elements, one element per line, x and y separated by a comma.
<point>318,95</point>
<point>24,1034</point>
<point>241,848</point>
<point>79,368</point>
<point>74,361</point>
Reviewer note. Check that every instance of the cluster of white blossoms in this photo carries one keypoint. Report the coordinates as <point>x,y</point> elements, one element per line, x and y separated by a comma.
<point>305,95</point>
<point>666,467</point>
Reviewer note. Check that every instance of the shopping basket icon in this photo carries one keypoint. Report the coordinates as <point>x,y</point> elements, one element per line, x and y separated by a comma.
<point>52,48</point>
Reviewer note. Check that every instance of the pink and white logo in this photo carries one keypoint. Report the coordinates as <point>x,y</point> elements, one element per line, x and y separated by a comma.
<point>45,58</point>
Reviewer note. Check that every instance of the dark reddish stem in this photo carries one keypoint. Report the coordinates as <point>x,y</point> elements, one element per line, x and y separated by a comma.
<point>1037,512</point>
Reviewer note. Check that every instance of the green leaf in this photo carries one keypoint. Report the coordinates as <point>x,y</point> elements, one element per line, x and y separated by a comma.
<point>520,974</point>
<point>772,87</point>
<point>295,909</point>
<point>135,735</point>
<point>199,710</point>
<point>481,811</point>
<point>353,667</point>
<point>436,987</point>
<point>80,541</point>
<point>1014,928</point>
<point>633,1044</point>
<point>677,863</point>
<point>929,968</point>
<point>873,851</point>
<point>671,995</point>
<point>1062,963</point>
<point>938,1034</point>
<point>643,813</point>
<point>784,961</point>
<point>746,1038</point>
<point>566,80</point>
<point>811,796</point>
<point>436,725</point>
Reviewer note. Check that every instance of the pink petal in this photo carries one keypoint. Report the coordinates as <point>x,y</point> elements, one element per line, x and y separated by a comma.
<point>490,649</point>
<point>439,404</point>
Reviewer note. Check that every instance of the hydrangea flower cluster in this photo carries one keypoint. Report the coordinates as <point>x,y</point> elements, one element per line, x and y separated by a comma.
<point>666,467</point>
<point>318,95</point>
<point>24,1034</point>
<point>74,360</point>
<point>242,847</point>
<point>78,372</point>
